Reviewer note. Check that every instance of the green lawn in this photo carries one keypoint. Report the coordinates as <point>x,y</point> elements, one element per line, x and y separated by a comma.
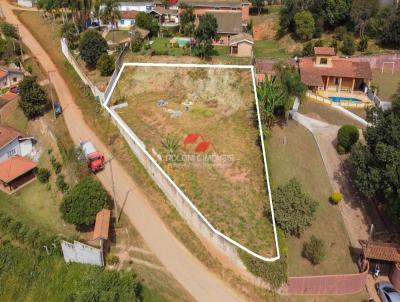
<point>270,49</point>
<point>299,157</point>
<point>387,83</point>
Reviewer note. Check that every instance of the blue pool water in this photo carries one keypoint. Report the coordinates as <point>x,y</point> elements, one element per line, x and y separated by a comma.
<point>338,99</point>
<point>182,41</point>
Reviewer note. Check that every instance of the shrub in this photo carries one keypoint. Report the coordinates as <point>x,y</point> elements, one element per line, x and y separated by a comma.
<point>308,49</point>
<point>148,22</point>
<point>55,164</point>
<point>106,64</point>
<point>314,250</point>
<point>336,197</point>
<point>33,99</point>
<point>136,42</point>
<point>81,204</point>
<point>340,33</point>
<point>43,174</point>
<point>68,31</point>
<point>347,136</point>
<point>319,43</point>
<point>62,186</point>
<point>362,44</point>
<point>348,47</point>
<point>112,259</point>
<point>341,150</point>
<point>294,210</point>
<point>334,43</point>
<point>305,25</point>
<point>9,30</point>
<point>91,46</point>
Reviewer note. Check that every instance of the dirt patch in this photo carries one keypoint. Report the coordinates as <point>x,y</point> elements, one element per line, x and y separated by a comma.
<point>264,30</point>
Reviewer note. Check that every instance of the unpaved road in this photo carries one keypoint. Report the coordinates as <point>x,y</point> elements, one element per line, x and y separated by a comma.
<point>187,270</point>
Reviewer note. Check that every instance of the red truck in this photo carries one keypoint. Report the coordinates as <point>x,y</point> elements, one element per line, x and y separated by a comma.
<point>95,158</point>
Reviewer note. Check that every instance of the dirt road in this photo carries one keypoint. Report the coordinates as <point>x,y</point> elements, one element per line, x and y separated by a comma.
<point>187,270</point>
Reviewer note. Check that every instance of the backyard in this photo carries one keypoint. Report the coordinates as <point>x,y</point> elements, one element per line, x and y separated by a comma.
<point>386,82</point>
<point>293,152</point>
<point>209,115</point>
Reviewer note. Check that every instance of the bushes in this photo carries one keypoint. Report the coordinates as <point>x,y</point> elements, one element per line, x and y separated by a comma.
<point>43,174</point>
<point>314,250</point>
<point>62,186</point>
<point>305,25</point>
<point>33,99</point>
<point>363,44</point>
<point>136,42</point>
<point>336,197</point>
<point>9,30</point>
<point>348,47</point>
<point>112,259</point>
<point>347,136</point>
<point>275,273</point>
<point>294,210</point>
<point>91,46</point>
<point>106,65</point>
<point>81,204</point>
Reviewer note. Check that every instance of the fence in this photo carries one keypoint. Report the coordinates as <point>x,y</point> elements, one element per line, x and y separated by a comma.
<point>81,253</point>
<point>377,101</point>
<point>376,61</point>
<point>181,202</point>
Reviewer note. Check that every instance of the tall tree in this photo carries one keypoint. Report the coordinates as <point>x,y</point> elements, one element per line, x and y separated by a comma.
<point>33,99</point>
<point>361,12</point>
<point>205,33</point>
<point>186,25</point>
<point>91,46</point>
<point>259,4</point>
<point>110,12</point>
<point>305,25</point>
<point>391,30</point>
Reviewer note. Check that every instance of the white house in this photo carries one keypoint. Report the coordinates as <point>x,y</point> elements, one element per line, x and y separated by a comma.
<point>10,76</point>
<point>26,3</point>
<point>137,6</point>
<point>13,142</point>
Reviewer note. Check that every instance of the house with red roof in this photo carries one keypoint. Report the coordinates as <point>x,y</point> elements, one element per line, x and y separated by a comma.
<point>13,142</point>
<point>329,75</point>
<point>10,76</point>
<point>16,172</point>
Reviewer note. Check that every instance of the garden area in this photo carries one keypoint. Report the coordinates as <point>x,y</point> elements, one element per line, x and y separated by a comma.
<point>206,115</point>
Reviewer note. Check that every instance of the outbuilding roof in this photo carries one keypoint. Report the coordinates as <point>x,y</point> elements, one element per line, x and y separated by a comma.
<point>311,75</point>
<point>215,3</point>
<point>15,167</point>
<point>129,14</point>
<point>102,225</point>
<point>7,135</point>
<point>381,251</point>
<point>242,37</point>
<point>228,22</point>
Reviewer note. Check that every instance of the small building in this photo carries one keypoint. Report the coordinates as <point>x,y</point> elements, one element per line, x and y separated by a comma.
<point>13,142</point>
<point>329,73</point>
<point>127,19</point>
<point>16,172</point>
<point>101,228</point>
<point>10,76</point>
<point>26,3</point>
<point>241,45</point>
<point>166,17</point>
<point>145,6</point>
<point>229,24</point>
<point>144,33</point>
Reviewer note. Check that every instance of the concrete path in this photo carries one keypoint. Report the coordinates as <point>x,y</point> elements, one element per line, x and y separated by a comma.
<point>356,216</point>
<point>202,284</point>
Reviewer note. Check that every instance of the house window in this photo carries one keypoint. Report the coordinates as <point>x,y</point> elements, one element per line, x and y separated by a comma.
<point>12,152</point>
<point>14,79</point>
<point>323,61</point>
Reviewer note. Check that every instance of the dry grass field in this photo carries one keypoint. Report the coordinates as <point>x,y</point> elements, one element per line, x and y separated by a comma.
<point>226,181</point>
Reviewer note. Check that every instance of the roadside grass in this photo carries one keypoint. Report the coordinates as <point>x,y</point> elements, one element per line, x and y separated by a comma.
<point>293,152</point>
<point>388,84</point>
<point>231,194</point>
<point>17,120</point>
<point>106,130</point>
<point>359,297</point>
<point>329,114</point>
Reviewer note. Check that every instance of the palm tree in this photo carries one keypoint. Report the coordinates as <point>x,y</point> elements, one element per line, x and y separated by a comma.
<point>111,13</point>
<point>270,97</point>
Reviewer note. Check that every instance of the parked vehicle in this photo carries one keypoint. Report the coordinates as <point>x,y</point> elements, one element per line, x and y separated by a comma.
<point>14,89</point>
<point>95,158</point>
<point>57,108</point>
<point>387,292</point>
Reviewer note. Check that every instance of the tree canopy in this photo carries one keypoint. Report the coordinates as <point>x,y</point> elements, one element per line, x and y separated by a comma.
<point>148,22</point>
<point>376,164</point>
<point>294,210</point>
<point>91,46</point>
<point>33,99</point>
<point>305,25</point>
<point>205,33</point>
<point>81,203</point>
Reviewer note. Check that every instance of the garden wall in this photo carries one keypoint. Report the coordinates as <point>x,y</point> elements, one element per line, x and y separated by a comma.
<point>376,61</point>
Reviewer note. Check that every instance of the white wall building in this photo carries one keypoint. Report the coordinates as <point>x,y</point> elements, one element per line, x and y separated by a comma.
<point>13,142</point>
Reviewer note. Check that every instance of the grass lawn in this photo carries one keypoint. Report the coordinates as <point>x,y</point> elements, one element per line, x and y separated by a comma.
<point>118,35</point>
<point>387,83</point>
<point>49,40</point>
<point>270,49</point>
<point>299,157</point>
<point>230,191</point>
<point>330,115</point>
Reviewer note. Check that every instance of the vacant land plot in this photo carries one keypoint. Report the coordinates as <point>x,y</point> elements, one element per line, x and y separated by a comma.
<point>292,152</point>
<point>208,114</point>
<point>386,82</point>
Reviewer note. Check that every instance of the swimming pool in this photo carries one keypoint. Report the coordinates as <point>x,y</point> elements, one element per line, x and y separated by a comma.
<point>338,99</point>
<point>182,41</point>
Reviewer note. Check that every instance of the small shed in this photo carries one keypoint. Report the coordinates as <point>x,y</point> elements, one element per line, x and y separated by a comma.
<point>241,45</point>
<point>16,172</point>
<point>101,228</point>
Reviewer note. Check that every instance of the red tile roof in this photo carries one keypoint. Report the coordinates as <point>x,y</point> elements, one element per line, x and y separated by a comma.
<point>8,96</point>
<point>102,225</point>
<point>7,135</point>
<point>15,167</point>
<point>324,51</point>
<point>131,14</point>
<point>381,251</point>
<point>311,75</point>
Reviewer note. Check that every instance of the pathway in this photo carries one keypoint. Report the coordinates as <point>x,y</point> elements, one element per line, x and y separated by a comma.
<point>202,284</point>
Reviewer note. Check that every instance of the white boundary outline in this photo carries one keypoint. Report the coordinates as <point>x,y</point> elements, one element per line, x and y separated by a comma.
<point>123,125</point>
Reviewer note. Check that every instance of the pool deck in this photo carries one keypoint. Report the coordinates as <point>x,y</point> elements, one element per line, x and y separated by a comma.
<point>323,97</point>
<point>356,95</point>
